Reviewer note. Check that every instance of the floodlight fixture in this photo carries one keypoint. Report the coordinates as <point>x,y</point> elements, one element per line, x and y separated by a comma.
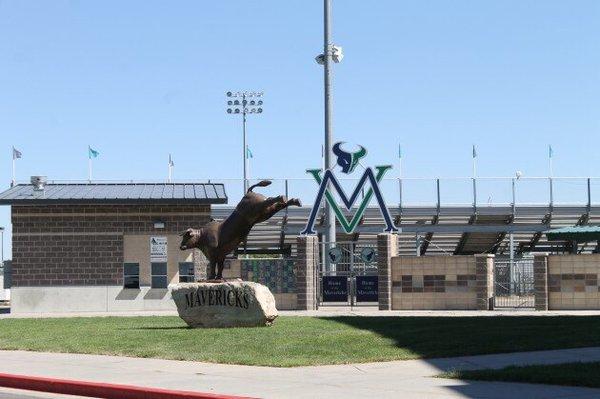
<point>337,54</point>
<point>246,106</point>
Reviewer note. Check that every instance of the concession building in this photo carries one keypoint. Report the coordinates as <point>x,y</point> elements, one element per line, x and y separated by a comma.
<point>102,247</point>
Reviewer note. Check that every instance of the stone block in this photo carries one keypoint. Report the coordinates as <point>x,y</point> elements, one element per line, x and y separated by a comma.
<point>225,304</point>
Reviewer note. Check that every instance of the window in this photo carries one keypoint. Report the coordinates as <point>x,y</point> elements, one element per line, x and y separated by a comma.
<point>131,275</point>
<point>159,275</point>
<point>186,272</point>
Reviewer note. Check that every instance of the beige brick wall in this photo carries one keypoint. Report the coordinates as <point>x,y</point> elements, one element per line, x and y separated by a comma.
<point>434,282</point>
<point>573,282</point>
<point>136,249</point>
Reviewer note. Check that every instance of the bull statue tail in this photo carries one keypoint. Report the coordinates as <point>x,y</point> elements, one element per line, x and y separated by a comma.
<point>262,183</point>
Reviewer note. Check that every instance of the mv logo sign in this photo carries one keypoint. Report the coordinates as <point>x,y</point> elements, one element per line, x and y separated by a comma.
<point>348,161</point>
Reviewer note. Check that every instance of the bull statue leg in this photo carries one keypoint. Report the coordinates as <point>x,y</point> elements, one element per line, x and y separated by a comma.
<point>220,266</point>
<point>211,270</point>
<point>274,204</point>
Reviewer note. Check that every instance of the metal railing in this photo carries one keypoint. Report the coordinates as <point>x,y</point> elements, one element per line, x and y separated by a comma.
<point>423,191</point>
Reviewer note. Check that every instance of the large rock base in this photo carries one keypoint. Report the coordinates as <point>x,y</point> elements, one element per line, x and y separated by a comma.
<point>225,304</point>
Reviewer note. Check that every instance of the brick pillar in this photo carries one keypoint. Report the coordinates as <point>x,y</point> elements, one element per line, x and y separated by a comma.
<point>540,281</point>
<point>484,275</point>
<point>387,247</point>
<point>305,266</point>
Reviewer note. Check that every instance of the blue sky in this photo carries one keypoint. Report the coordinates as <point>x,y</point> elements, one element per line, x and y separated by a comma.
<point>140,79</point>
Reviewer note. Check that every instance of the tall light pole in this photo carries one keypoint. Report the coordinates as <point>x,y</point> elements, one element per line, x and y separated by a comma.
<point>244,103</point>
<point>331,53</point>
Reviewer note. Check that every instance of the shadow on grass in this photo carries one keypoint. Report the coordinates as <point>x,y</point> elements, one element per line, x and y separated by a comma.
<point>439,337</point>
<point>463,336</point>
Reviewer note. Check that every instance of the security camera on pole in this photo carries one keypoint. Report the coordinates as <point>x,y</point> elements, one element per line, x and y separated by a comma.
<point>333,53</point>
<point>243,103</point>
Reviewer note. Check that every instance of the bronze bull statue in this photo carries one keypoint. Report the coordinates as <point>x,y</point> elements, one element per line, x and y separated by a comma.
<point>217,239</point>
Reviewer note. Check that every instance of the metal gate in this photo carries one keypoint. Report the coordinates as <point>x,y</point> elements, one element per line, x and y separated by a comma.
<point>513,283</point>
<point>352,279</point>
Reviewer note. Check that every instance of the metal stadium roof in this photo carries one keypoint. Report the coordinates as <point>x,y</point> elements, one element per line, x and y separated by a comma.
<point>576,233</point>
<point>162,193</point>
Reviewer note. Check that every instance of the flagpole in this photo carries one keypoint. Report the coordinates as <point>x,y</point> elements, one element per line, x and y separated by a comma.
<point>550,166</point>
<point>13,181</point>
<point>89,164</point>
<point>170,170</point>
<point>474,162</point>
<point>248,162</point>
<point>474,177</point>
<point>400,162</point>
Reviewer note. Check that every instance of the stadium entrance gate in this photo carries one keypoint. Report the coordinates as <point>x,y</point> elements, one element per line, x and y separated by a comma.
<point>353,280</point>
<point>513,283</point>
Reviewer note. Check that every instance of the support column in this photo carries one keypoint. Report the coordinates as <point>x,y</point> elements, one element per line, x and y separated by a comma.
<point>387,247</point>
<point>540,281</point>
<point>305,266</point>
<point>484,275</point>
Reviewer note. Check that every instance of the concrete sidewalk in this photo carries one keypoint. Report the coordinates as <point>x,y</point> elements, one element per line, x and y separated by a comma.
<point>334,311</point>
<point>405,379</point>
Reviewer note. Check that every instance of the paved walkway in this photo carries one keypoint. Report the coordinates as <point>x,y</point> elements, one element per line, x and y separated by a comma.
<point>400,379</point>
<point>332,311</point>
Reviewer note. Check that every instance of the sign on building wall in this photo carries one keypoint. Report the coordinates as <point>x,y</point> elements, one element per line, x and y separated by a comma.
<point>158,249</point>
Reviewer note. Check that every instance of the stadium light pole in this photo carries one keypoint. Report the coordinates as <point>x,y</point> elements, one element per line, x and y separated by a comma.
<point>331,53</point>
<point>244,103</point>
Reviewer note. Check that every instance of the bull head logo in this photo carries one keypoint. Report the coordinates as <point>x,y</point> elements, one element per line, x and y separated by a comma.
<point>348,160</point>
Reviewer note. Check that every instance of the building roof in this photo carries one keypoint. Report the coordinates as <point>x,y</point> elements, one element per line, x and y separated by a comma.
<point>151,193</point>
<point>575,233</point>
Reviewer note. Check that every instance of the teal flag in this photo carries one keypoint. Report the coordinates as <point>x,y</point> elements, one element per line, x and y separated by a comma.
<point>474,151</point>
<point>248,152</point>
<point>550,151</point>
<point>399,150</point>
<point>92,153</point>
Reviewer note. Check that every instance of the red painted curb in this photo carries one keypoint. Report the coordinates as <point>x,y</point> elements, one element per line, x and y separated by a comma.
<point>100,389</point>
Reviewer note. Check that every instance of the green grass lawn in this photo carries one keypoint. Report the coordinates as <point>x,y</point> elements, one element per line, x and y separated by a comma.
<point>300,341</point>
<point>571,374</point>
